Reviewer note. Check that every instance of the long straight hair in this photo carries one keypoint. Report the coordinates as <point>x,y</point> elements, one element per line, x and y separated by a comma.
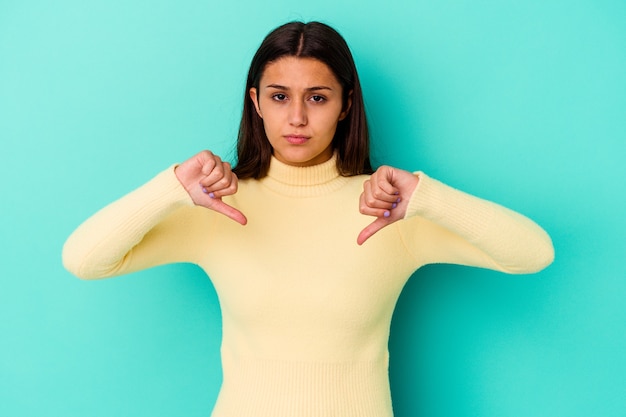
<point>305,40</point>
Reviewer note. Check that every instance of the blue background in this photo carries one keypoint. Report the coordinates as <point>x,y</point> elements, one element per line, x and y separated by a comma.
<point>523,103</point>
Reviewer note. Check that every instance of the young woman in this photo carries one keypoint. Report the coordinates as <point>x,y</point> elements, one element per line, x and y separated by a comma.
<point>308,249</point>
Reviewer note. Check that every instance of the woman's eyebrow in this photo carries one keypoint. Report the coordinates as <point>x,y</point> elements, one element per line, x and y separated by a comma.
<point>314,88</point>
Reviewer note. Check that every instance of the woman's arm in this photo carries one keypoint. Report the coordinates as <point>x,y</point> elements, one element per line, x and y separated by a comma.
<point>443,225</point>
<point>160,222</point>
<point>468,230</point>
<point>108,243</point>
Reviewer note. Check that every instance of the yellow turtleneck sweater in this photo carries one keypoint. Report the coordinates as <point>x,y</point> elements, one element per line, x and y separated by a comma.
<point>306,311</point>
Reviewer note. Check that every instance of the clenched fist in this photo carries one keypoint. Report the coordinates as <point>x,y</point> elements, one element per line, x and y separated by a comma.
<point>386,196</point>
<point>207,179</point>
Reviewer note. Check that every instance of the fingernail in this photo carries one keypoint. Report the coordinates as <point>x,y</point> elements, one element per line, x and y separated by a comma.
<point>398,200</point>
<point>387,214</point>
<point>204,190</point>
<point>394,205</point>
<point>211,195</point>
<point>396,193</point>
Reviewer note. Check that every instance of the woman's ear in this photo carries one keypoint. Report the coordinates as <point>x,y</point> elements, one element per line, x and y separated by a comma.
<point>346,109</point>
<point>255,99</point>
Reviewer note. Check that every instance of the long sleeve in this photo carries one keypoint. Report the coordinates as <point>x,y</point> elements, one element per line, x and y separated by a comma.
<point>142,229</point>
<point>306,312</point>
<point>456,227</point>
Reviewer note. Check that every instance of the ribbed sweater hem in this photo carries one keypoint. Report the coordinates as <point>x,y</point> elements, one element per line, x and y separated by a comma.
<point>264,388</point>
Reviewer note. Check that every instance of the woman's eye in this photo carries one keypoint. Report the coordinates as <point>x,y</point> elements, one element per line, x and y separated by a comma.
<point>279,97</point>
<point>318,99</point>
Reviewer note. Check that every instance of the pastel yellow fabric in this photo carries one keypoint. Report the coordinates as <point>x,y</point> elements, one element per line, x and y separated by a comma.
<point>306,311</point>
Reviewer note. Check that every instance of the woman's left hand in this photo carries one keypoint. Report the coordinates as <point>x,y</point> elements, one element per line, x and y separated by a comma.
<point>386,196</point>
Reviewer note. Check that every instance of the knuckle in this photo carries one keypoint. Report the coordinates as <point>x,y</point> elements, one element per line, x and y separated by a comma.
<point>369,199</point>
<point>225,183</point>
<point>362,205</point>
<point>218,175</point>
<point>377,193</point>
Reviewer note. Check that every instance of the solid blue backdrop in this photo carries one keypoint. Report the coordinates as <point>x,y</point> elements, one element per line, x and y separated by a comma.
<point>523,103</point>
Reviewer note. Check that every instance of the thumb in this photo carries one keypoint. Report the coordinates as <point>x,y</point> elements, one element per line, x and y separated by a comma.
<point>228,211</point>
<point>371,229</point>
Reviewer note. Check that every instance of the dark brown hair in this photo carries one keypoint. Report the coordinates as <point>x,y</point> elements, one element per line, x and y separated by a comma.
<point>307,40</point>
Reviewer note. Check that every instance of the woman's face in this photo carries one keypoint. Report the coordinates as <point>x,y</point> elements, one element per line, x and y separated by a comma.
<point>300,102</point>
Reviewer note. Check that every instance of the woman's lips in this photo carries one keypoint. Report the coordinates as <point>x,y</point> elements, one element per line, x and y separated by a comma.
<point>296,139</point>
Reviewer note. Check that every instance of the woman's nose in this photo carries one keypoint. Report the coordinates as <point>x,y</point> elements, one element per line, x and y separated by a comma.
<point>297,114</point>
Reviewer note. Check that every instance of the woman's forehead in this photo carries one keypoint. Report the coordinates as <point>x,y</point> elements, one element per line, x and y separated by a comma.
<point>298,73</point>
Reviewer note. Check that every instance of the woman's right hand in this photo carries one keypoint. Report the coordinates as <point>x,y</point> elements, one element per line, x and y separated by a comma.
<point>207,179</point>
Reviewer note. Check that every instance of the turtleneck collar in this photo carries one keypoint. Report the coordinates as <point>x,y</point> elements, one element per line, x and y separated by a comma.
<point>304,181</point>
